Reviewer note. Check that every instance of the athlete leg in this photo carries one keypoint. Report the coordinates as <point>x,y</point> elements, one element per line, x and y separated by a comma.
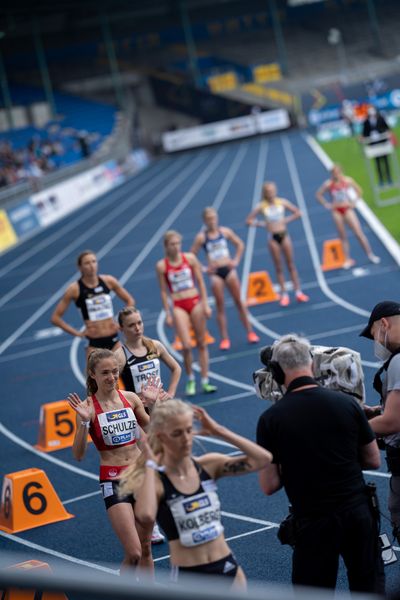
<point>122,520</point>
<point>240,581</point>
<point>339,222</point>
<point>198,319</point>
<point>287,250</point>
<point>352,221</point>
<point>144,533</point>
<point>233,285</point>
<point>275,250</point>
<point>217,287</point>
<point>182,327</point>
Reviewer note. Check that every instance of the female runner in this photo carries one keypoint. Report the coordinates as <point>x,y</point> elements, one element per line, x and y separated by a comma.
<point>344,192</point>
<point>177,274</point>
<point>113,419</point>
<point>273,210</point>
<point>181,492</point>
<point>92,295</point>
<point>139,356</point>
<point>222,271</point>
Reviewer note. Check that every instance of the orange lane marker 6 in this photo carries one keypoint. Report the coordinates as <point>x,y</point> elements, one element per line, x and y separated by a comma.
<point>29,500</point>
<point>178,344</point>
<point>18,594</point>
<point>56,426</point>
<point>332,255</point>
<point>260,289</point>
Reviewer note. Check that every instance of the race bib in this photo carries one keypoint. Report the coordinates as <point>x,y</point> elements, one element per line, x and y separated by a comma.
<point>119,427</point>
<point>198,517</point>
<point>99,307</point>
<point>142,371</point>
<point>181,280</point>
<point>217,249</point>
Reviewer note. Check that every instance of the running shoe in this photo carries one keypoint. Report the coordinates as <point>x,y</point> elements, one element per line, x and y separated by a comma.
<point>252,337</point>
<point>208,388</point>
<point>190,387</point>
<point>374,259</point>
<point>349,263</point>
<point>284,301</point>
<point>156,536</point>
<point>301,297</point>
<point>225,344</point>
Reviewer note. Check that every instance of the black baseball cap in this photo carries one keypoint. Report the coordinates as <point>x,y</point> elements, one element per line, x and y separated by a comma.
<point>387,308</point>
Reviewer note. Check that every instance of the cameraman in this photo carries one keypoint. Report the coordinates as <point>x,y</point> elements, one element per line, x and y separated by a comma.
<point>384,328</point>
<point>321,441</point>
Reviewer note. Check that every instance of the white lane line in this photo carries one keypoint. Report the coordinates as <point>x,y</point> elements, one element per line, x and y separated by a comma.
<point>374,223</point>
<point>39,548</point>
<point>216,441</point>
<point>38,313</point>
<point>77,241</point>
<point>232,172</point>
<point>92,210</point>
<point>310,234</point>
<point>376,474</point>
<point>83,497</point>
<point>228,398</point>
<point>248,519</point>
<point>17,440</point>
<point>35,351</point>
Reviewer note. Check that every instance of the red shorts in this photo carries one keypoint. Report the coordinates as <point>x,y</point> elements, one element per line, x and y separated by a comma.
<point>342,209</point>
<point>187,304</point>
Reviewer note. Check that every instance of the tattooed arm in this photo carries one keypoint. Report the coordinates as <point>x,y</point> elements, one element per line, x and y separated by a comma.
<point>252,457</point>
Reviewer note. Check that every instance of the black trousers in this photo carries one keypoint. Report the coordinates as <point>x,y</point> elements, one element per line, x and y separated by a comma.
<point>383,168</point>
<point>350,532</point>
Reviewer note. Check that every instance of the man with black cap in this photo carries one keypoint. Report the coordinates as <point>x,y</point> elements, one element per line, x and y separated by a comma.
<point>384,328</point>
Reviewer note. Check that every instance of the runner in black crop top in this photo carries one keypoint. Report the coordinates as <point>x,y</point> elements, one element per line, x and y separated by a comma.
<point>92,295</point>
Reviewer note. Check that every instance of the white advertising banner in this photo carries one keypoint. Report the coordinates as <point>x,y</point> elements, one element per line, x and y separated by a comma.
<point>57,201</point>
<point>222,131</point>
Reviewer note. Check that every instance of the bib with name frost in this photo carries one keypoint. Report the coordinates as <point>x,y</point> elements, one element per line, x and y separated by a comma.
<point>142,371</point>
<point>217,249</point>
<point>99,307</point>
<point>118,427</point>
<point>198,517</point>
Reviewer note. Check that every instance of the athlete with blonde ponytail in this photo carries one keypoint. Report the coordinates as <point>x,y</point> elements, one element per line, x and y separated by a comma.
<point>180,490</point>
<point>113,420</point>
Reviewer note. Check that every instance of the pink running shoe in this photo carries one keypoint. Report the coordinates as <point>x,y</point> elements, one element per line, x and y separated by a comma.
<point>225,344</point>
<point>252,337</point>
<point>301,297</point>
<point>284,301</point>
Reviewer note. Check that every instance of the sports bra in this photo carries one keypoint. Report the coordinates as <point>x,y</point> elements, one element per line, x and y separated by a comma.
<point>137,369</point>
<point>273,213</point>
<point>114,428</point>
<point>195,518</point>
<point>179,278</point>
<point>217,248</point>
<point>95,303</point>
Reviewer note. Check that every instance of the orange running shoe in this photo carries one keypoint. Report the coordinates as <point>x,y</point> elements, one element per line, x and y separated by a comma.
<point>284,301</point>
<point>225,344</point>
<point>301,297</point>
<point>252,337</point>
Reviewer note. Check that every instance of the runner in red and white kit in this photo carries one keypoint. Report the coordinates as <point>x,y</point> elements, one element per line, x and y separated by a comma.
<point>113,419</point>
<point>344,193</point>
<point>178,274</point>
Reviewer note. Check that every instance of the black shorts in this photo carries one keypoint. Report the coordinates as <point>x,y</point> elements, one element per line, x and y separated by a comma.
<point>279,237</point>
<point>109,490</point>
<point>227,566</point>
<point>107,342</point>
<point>222,272</point>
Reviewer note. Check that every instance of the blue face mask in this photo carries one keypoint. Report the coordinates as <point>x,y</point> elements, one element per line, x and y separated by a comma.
<point>380,350</point>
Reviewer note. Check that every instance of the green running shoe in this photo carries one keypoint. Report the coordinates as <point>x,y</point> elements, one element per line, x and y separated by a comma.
<point>208,388</point>
<point>190,388</point>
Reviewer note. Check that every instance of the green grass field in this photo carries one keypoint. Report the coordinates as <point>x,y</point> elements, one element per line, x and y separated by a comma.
<point>348,153</point>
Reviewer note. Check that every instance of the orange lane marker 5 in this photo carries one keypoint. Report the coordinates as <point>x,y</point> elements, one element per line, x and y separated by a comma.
<point>29,500</point>
<point>260,289</point>
<point>18,594</point>
<point>332,255</point>
<point>177,344</point>
<point>56,426</point>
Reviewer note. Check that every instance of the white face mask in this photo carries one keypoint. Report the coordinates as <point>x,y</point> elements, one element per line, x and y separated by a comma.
<point>380,350</point>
